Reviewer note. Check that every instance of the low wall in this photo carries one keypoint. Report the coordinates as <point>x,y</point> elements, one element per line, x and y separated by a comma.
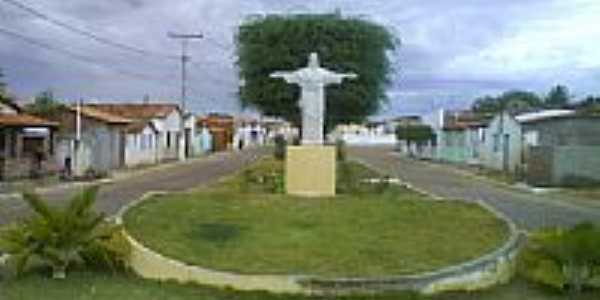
<point>492,269</point>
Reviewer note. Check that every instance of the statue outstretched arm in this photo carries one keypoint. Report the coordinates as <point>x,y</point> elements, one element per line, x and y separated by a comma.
<point>338,78</point>
<point>289,77</point>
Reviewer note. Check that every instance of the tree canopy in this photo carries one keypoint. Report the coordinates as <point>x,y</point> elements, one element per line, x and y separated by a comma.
<point>45,105</point>
<point>278,42</point>
<point>558,97</point>
<point>415,133</point>
<point>512,101</point>
<point>2,84</point>
<point>3,91</point>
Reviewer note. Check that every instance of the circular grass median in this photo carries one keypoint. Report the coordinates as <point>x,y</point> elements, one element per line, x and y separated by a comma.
<point>397,232</point>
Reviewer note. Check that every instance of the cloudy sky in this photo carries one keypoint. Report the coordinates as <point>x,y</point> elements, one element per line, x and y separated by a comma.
<point>452,52</point>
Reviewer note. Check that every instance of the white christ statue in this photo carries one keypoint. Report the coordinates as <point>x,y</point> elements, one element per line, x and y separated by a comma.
<point>312,80</point>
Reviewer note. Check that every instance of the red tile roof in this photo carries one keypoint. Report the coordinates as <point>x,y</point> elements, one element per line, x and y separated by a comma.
<point>136,111</point>
<point>24,120</point>
<point>138,127</point>
<point>101,115</point>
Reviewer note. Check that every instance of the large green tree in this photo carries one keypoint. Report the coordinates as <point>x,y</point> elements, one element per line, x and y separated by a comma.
<point>512,101</point>
<point>279,42</point>
<point>558,97</point>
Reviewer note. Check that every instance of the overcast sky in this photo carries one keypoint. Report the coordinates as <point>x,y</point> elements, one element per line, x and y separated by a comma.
<point>452,52</point>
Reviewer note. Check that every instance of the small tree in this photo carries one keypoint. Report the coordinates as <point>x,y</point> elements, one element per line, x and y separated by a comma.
<point>2,85</point>
<point>57,237</point>
<point>418,134</point>
<point>45,105</point>
<point>558,97</point>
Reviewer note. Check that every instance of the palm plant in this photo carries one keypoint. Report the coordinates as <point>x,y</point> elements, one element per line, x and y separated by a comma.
<point>56,236</point>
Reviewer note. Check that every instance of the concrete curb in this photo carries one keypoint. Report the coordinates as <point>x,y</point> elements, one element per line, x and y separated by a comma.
<point>491,269</point>
<point>152,265</point>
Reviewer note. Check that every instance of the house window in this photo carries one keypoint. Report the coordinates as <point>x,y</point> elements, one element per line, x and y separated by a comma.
<point>168,139</point>
<point>532,138</point>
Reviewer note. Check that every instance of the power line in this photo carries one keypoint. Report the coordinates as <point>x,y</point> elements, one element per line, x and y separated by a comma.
<point>85,33</point>
<point>74,55</point>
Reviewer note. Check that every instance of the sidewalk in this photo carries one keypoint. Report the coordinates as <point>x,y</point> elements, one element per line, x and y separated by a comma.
<point>11,190</point>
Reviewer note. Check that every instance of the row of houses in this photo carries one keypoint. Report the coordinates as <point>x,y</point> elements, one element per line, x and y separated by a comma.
<point>102,137</point>
<point>543,148</point>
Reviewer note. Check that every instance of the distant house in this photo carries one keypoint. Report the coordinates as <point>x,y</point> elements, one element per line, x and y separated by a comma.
<point>141,144</point>
<point>370,134</point>
<point>221,128</point>
<point>26,144</point>
<point>560,148</point>
<point>509,137</point>
<point>459,136</point>
<point>249,132</point>
<point>166,118</point>
<point>101,143</point>
<point>279,127</point>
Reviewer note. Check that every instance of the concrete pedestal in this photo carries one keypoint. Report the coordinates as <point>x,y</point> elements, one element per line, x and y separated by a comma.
<point>310,171</point>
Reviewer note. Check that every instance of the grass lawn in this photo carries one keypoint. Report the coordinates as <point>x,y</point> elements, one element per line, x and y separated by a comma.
<point>99,286</point>
<point>363,234</point>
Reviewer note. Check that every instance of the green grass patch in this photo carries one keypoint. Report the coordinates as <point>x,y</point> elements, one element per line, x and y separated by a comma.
<point>394,232</point>
<point>100,286</point>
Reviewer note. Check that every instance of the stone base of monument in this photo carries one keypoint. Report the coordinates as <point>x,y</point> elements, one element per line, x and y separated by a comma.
<point>310,171</point>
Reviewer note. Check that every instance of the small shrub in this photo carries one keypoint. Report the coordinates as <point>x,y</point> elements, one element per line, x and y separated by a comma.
<point>565,259</point>
<point>109,254</point>
<point>56,237</point>
<point>340,148</point>
<point>267,178</point>
<point>348,181</point>
<point>280,147</point>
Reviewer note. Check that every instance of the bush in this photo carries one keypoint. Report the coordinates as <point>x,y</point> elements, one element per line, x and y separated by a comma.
<point>564,259</point>
<point>57,237</point>
<point>340,147</point>
<point>267,178</point>
<point>110,254</point>
<point>280,147</point>
<point>348,181</point>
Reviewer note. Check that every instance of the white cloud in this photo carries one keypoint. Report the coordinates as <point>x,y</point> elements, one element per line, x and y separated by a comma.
<point>453,50</point>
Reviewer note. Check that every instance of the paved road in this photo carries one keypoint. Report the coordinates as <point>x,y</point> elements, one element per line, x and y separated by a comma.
<point>528,210</point>
<point>178,177</point>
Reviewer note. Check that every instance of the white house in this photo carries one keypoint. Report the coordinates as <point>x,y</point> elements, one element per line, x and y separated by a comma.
<point>506,138</point>
<point>372,134</point>
<point>90,140</point>
<point>249,132</point>
<point>141,144</point>
<point>166,118</point>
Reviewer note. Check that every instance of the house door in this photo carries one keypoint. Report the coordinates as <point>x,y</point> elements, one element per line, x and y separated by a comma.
<point>506,153</point>
<point>121,149</point>
<point>188,142</point>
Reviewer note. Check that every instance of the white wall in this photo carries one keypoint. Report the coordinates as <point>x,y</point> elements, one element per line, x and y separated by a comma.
<point>493,149</point>
<point>141,148</point>
<point>169,125</point>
